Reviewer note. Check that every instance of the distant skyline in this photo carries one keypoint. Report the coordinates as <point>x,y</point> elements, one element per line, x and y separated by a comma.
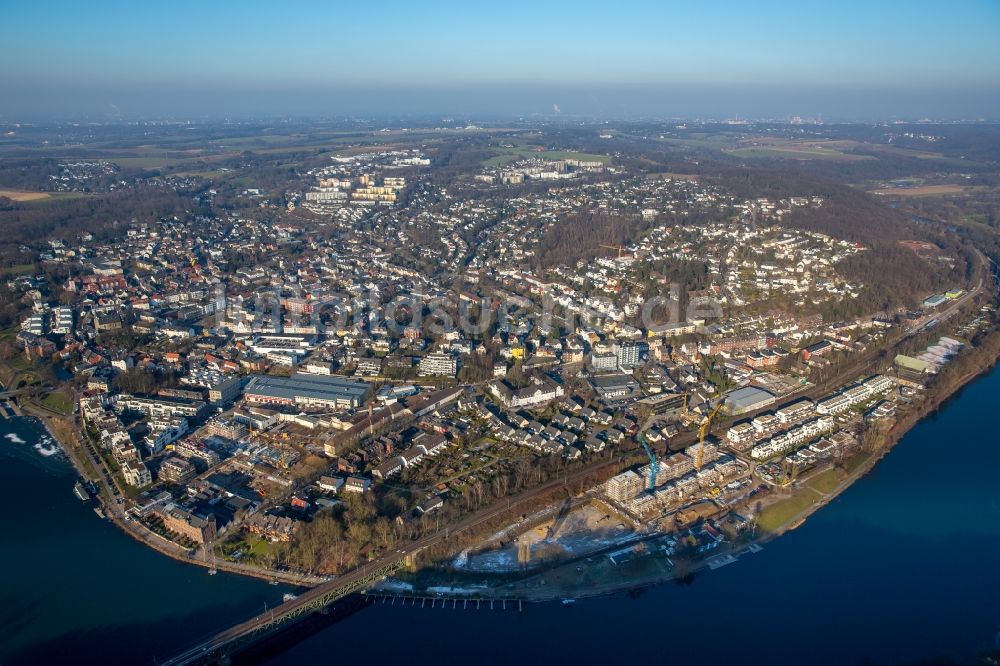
<point>850,60</point>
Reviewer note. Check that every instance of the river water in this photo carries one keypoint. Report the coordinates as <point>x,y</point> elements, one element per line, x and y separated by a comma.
<point>76,589</point>
<point>903,566</point>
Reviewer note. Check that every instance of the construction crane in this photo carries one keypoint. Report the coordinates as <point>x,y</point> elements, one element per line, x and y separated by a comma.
<point>620,248</point>
<point>702,431</point>
<point>654,465</point>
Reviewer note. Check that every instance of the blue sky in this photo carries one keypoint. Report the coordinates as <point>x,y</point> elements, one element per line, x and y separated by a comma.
<point>81,56</point>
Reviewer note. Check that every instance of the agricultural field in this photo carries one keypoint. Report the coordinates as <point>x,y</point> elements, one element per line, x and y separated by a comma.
<point>18,195</point>
<point>22,196</point>
<point>158,162</point>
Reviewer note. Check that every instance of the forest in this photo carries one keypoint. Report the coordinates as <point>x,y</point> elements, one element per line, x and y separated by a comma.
<point>67,218</point>
<point>580,237</point>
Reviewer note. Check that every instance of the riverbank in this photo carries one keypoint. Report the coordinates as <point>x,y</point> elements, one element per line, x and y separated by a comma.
<point>905,572</point>
<point>901,563</point>
<point>592,576</point>
<point>67,434</point>
<point>69,441</point>
<point>76,588</point>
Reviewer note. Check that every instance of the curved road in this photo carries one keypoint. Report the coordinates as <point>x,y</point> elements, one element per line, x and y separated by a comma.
<point>214,647</point>
<point>205,652</point>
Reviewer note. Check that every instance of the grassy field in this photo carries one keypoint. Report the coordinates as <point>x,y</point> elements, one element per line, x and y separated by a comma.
<point>21,195</point>
<point>249,142</point>
<point>58,401</point>
<point>826,482</point>
<point>39,198</point>
<point>152,162</point>
<point>696,140</point>
<point>774,147</point>
<point>19,269</point>
<point>20,363</point>
<point>210,174</point>
<point>922,191</point>
<point>782,511</point>
<point>855,463</point>
<point>797,153</point>
<point>904,152</point>
<point>252,548</point>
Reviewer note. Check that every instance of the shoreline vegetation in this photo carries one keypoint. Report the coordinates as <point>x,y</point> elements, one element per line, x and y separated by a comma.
<point>894,249</point>
<point>542,584</point>
<point>64,434</point>
<point>967,367</point>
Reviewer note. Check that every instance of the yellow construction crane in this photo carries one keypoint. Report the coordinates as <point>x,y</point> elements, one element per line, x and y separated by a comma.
<point>702,431</point>
<point>620,248</point>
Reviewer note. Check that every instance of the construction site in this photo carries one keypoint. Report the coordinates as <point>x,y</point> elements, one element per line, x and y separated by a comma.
<point>578,532</point>
<point>685,507</point>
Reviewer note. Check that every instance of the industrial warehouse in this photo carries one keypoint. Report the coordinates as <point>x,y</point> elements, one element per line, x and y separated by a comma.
<point>307,391</point>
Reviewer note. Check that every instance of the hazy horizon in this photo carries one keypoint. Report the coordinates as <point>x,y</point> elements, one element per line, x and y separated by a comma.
<point>629,60</point>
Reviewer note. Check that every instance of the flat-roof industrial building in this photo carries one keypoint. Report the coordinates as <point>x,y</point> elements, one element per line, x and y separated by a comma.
<point>748,399</point>
<point>307,390</point>
<point>934,301</point>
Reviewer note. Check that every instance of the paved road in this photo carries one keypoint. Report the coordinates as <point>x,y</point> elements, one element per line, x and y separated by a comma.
<point>204,651</point>
<point>25,390</point>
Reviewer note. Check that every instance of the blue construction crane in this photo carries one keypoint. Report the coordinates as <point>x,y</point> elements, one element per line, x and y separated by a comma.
<point>654,466</point>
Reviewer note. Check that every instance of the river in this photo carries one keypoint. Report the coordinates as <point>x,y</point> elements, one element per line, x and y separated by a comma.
<point>74,588</point>
<point>903,566</point>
